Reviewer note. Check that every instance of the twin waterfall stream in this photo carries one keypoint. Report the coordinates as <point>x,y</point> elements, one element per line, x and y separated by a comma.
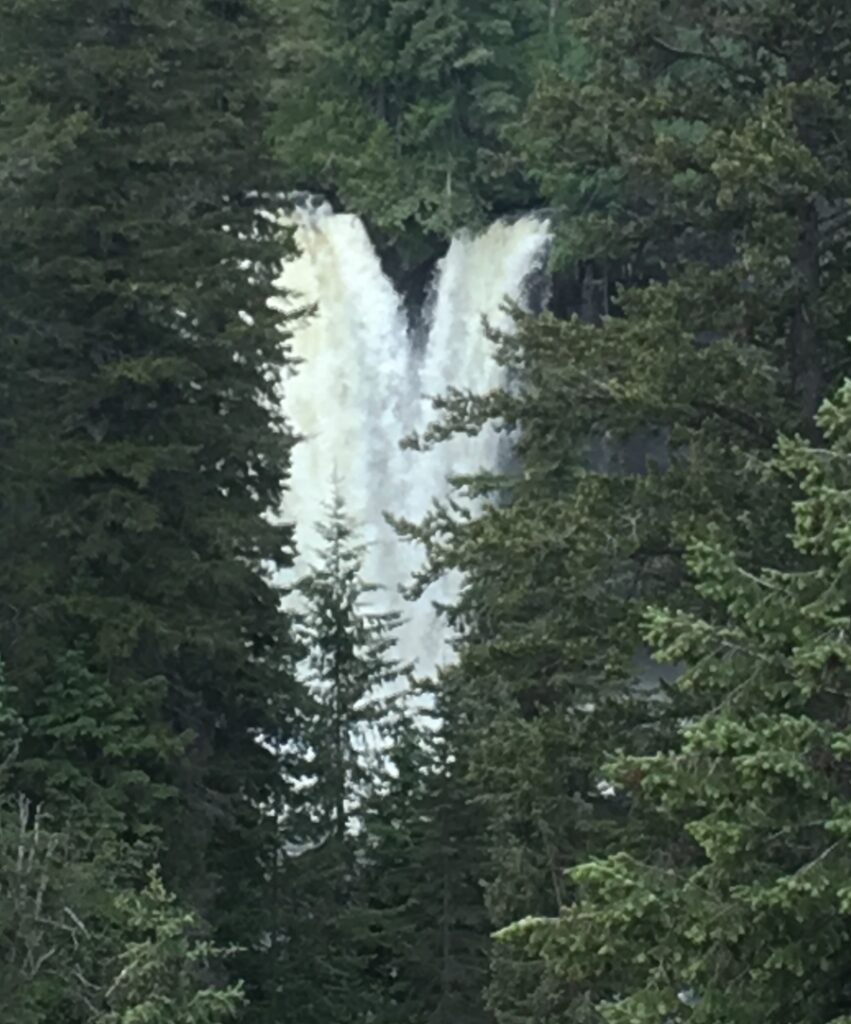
<point>365,382</point>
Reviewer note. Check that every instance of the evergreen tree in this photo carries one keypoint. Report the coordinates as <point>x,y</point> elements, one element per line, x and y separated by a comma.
<point>416,99</point>
<point>351,674</point>
<point>82,945</point>
<point>698,152</point>
<point>350,670</point>
<point>164,967</point>
<point>425,924</point>
<point>745,918</point>
<point>695,160</point>
<point>59,877</point>
<point>141,449</point>
<point>58,925</point>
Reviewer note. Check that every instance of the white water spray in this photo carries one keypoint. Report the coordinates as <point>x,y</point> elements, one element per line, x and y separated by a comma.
<point>363,386</point>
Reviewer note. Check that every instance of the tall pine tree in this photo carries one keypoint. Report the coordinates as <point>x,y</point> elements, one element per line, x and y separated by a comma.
<point>699,153</point>
<point>424,920</point>
<point>745,917</point>
<point>141,450</point>
<point>353,680</point>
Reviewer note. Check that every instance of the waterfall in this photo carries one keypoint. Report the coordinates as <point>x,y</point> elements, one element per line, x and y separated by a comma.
<point>363,385</point>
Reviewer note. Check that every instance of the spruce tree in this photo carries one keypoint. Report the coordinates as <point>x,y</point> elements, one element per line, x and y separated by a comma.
<point>60,872</point>
<point>350,670</point>
<point>698,153</point>
<point>745,917</point>
<point>425,925</point>
<point>141,447</point>
<point>353,683</point>
<point>163,968</point>
<point>417,97</point>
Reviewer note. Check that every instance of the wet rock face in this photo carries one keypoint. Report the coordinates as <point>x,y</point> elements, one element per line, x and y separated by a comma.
<point>410,259</point>
<point>583,290</point>
<point>414,283</point>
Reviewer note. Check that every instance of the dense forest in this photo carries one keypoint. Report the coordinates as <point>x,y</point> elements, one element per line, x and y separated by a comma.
<point>626,797</point>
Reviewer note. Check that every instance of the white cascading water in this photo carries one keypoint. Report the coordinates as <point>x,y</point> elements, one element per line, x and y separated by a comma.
<point>363,385</point>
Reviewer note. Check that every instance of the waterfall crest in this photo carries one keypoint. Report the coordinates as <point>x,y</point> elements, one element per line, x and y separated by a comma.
<point>363,385</point>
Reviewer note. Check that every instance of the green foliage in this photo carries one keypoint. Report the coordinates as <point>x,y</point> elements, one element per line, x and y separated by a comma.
<point>383,917</point>
<point>696,153</point>
<point>141,446</point>
<point>349,668</point>
<point>351,675</point>
<point>164,967</point>
<point>401,108</point>
<point>79,943</point>
<point>684,157</point>
<point>424,922</point>
<point>95,754</point>
<point>81,947</point>
<point>56,922</point>
<point>750,923</point>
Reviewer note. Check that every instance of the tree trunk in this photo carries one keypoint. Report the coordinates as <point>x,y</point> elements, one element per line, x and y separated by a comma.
<point>804,342</point>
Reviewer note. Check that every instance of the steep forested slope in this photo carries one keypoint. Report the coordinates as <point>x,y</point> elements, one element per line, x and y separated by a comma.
<point>402,111</point>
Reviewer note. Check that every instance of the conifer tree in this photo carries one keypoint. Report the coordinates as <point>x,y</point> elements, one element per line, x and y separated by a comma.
<point>698,153</point>
<point>417,96</point>
<point>425,923</point>
<point>353,681</point>
<point>350,670</point>
<point>60,872</point>
<point>84,939</point>
<point>141,449</point>
<point>745,917</point>
<point>164,967</point>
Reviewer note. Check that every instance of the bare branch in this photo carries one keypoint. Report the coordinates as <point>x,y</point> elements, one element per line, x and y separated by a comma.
<point>712,58</point>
